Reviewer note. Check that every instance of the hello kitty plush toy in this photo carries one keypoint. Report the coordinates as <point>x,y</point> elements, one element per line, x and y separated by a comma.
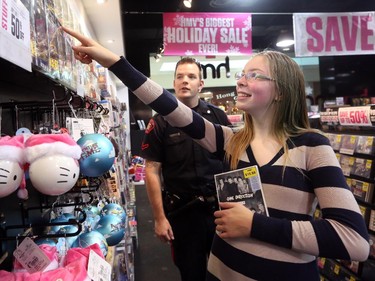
<point>53,159</point>
<point>12,162</point>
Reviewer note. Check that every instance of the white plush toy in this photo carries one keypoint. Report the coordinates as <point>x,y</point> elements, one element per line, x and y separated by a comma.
<point>12,162</point>
<point>53,159</point>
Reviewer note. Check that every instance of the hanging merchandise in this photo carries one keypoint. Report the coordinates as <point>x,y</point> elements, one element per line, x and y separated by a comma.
<point>112,227</point>
<point>90,238</point>
<point>113,209</point>
<point>12,161</point>
<point>98,155</point>
<point>53,160</point>
<point>74,266</point>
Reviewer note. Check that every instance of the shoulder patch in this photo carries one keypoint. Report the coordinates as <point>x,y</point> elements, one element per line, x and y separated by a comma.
<point>150,126</point>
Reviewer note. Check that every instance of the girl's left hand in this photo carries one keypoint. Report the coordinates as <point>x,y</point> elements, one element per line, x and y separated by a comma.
<point>233,220</point>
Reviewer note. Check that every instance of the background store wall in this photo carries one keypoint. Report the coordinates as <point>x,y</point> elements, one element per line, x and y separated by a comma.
<point>137,30</point>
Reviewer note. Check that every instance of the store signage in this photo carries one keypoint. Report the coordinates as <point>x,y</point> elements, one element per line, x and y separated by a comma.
<point>332,34</point>
<point>216,71</point>
<point>15,33</point>
<point>355,116</point>
<point>207,34</point>
<point>361,116</point>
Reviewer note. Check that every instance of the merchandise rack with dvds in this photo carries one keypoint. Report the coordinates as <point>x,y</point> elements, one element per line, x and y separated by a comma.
<point>51,86</point>
<point>351,132</point>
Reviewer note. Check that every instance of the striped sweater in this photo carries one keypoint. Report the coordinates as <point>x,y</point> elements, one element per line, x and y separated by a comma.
<point>283,246</point>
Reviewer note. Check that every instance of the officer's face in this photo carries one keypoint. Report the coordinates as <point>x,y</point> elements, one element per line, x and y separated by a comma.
<point>187,83</point>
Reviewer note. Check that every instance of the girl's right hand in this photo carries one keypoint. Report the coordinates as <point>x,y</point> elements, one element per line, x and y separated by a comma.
<point>90,50</point>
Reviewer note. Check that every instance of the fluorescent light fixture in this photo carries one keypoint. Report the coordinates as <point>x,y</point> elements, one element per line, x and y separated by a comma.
<point>187,3</point>
<point>285,39</point>
<point>101,1</point>
<point>285,43</point>
<point>157,57</point>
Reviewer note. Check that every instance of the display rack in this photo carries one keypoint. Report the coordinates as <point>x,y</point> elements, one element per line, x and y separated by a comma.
<point>351,131</point>
<point>57,87</point>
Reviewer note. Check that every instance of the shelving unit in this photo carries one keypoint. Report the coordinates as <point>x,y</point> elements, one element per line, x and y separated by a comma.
<point>351,131</point>
<point>28,99</point>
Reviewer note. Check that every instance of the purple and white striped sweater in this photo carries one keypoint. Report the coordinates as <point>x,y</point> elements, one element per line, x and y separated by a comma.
<point>284,245</point>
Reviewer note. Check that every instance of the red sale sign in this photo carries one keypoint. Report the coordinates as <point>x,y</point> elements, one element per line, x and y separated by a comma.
<point>199,34</point>
<point>355,116</point>
<point>332,34</point>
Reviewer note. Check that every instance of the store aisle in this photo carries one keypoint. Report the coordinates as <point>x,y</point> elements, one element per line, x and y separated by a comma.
<point>152,258</point>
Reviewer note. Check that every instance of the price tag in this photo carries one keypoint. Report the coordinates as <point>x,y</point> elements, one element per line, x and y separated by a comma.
<point>98,269</point>
<point>31,257</point>
<point>78,125</point>
<point>336,269</point>
<point>355,116</point>
<point>15,33</point>
<point>365,186</point>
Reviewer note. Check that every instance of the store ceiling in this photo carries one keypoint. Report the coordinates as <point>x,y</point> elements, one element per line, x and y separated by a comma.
<point>137,26</point>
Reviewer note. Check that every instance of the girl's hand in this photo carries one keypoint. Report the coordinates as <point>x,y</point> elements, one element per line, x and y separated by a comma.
<point>233,220</point>
<point>90,50</point>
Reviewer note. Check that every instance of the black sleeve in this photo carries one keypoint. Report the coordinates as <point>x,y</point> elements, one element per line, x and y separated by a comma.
<point>152,148</point>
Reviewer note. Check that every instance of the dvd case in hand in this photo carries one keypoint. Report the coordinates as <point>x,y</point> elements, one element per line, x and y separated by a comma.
<point>243,186</point>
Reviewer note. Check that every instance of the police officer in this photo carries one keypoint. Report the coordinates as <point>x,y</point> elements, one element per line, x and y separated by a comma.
<point>179,178</point>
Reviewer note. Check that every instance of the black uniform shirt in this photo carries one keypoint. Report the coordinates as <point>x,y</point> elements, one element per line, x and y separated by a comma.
<point>187,168</point>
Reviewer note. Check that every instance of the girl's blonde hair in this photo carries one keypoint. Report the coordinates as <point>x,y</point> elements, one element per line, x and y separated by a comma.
<point>290,118</point>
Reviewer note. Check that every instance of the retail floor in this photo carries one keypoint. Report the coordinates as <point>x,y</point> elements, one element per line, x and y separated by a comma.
<point>152,257</point>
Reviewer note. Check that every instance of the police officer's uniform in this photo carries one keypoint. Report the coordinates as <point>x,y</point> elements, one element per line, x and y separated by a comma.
<point>188,171</point>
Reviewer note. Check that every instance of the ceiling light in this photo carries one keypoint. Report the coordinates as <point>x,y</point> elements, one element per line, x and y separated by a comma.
<point>157,57</point>
<point>187,3</point>
<point>101,1</point>
<point>159,53</point>
<point>285,39</point>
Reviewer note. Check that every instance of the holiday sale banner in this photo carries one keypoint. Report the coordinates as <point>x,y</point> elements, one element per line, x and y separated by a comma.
<point>15,33</point>
<point>203,34</point>
<point>332,34</point>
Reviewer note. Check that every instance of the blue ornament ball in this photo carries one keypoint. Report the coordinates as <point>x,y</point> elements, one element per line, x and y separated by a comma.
<point>90,238</point>
<point>112,227</point>
<point>114,209</point>
<point>98,155</point>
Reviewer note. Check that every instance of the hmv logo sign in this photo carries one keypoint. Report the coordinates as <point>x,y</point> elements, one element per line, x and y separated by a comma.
<point>216,71</point>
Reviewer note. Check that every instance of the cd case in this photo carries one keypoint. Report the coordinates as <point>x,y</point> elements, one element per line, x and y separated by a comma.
<point>243,186</point>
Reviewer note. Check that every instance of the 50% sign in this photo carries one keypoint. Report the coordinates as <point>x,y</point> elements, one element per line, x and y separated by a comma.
<point>355,116</point>
<point>16,25</point>
<point>13,19</point>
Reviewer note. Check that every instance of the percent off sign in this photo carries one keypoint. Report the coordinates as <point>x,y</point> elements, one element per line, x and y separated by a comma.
<point>355,116</point>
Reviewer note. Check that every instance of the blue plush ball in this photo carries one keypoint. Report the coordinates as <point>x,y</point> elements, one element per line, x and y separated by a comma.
<point>98,155</point>
<point>112,227</point>
<point>68,229</point>
<point>59,219</point>
<point>90,211</point>
<point>114,209</point>
<point>89,238</point>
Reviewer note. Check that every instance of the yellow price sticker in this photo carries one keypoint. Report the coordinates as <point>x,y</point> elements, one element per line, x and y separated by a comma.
<point>351,161</point>
<point>54,64</point>
<point>251,172</point>
<point>336,270</point>
<point>365,186</point>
